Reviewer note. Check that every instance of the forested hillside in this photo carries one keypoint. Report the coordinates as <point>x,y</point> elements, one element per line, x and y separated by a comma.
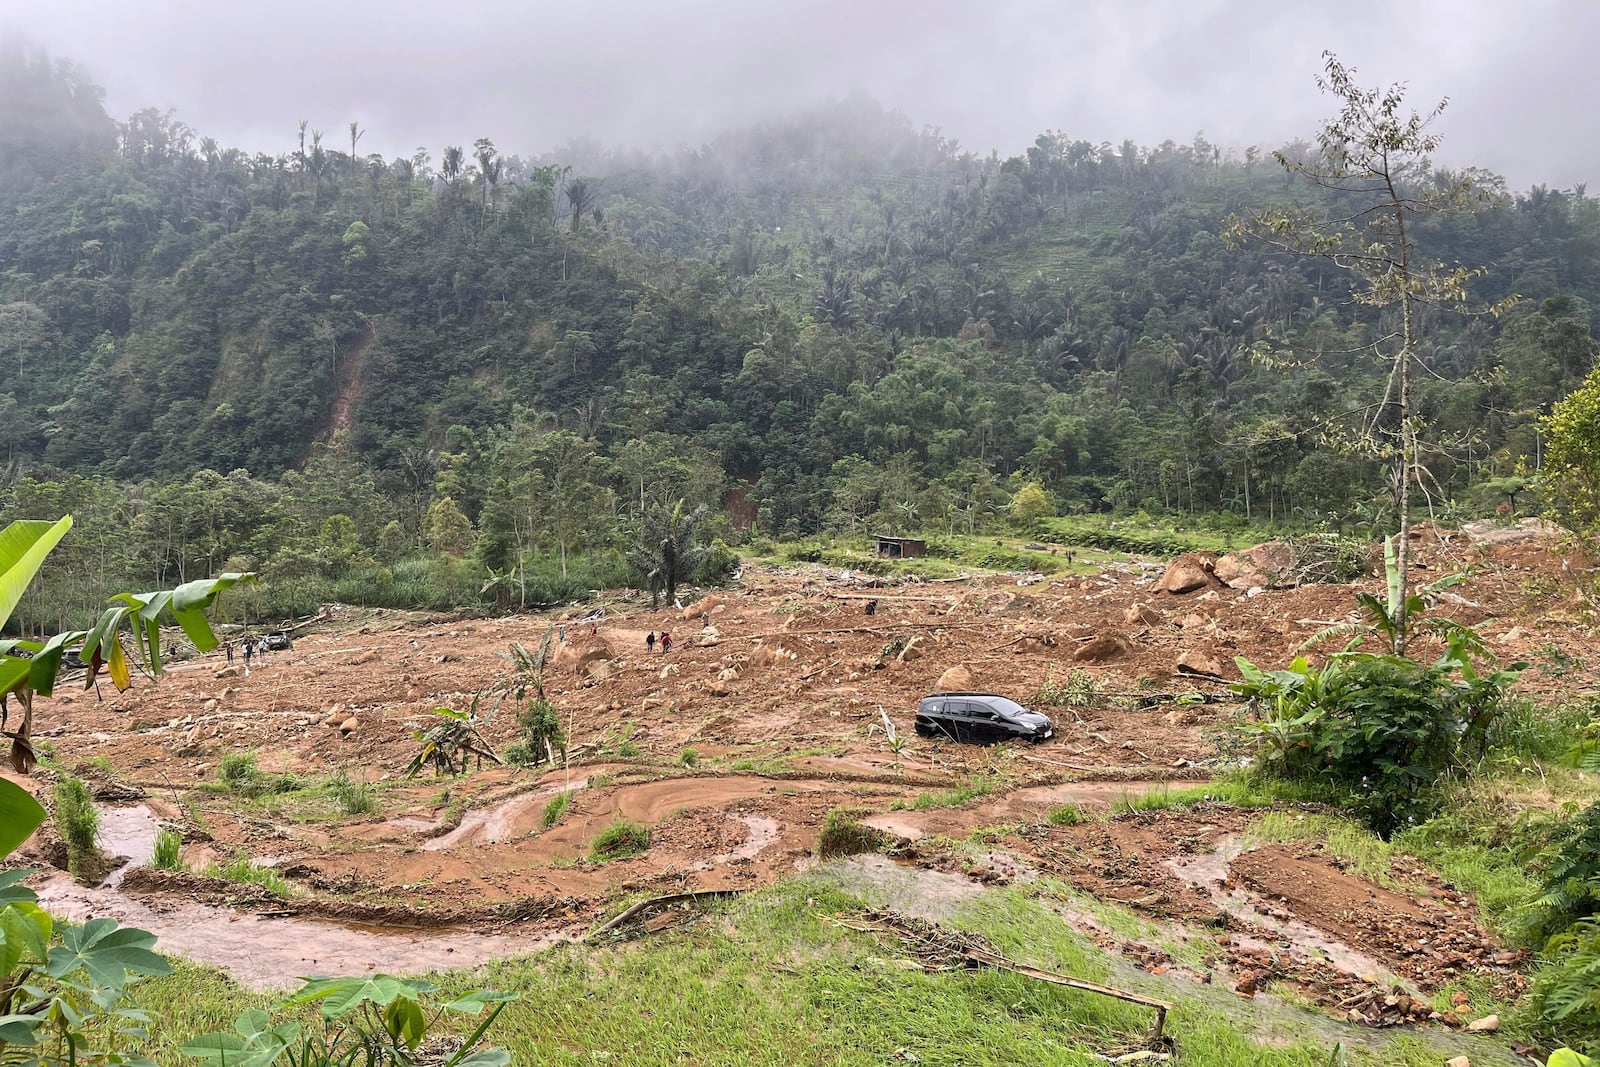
<point>321,359</point>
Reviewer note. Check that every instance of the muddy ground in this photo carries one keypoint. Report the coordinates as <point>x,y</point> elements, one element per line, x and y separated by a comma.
<point>779,686</point>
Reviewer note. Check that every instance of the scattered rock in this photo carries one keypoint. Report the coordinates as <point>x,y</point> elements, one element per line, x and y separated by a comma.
<point>349,726</point>
<point>1486,1025</point>
<point>1188,573</point>
<point>728,674</point>
<point>369,656</point>
<point>1105,647</point>
<point>1513,635</point>
<point>668,671</point>
<point>1192,622</point>
<point>955,680</point>
<point>767,655</point>
<point>1141,615</point>
<point>718,687</point>
<point>911,651</point>
<point>1199,664</point>
<point>212,705</point>
<point>1249,983</point>
<point>228,672</point>
<point>1458,1061</point>
<point>709,637</point>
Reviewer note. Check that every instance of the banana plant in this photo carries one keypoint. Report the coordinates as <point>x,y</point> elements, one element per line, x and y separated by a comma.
<point>29,668</point>
<point>1402,614</point>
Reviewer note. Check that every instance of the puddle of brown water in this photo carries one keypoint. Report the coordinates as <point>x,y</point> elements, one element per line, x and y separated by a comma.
<point>499,823</point>
<point>272,953</point>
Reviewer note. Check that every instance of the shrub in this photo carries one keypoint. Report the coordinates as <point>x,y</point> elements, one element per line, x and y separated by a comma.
<point>78,822</point>
<point>1566,990</point>
<point>541,730</point>
<point>168,855</point>
<point>1378,732</point>
<point>518,754</point>
<point>621,838</point>
<point>844,835</point>
<point>556,808</point>
<point>718,566</point>
<point>689,757</point>
<point>1569,873</point>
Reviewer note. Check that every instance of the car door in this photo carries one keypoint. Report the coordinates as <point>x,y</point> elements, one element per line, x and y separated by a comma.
<point>960,719</point>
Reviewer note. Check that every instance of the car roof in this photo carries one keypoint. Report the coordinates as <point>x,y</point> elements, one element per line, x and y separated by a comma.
<point>935,696</point>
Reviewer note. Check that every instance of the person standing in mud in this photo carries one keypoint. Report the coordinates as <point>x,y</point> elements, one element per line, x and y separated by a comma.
<point>666,642</point>
<point>650,642</point>
<point>249,650</point>
<point>227,647</point>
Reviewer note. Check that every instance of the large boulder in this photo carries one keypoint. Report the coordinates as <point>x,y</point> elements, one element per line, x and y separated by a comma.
<point>1105,647</point>
<point>955,680</point>
<point>1269,565</point>
<point>1188,573</point>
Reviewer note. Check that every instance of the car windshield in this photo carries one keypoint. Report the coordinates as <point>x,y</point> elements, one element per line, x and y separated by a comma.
<point>1008,708</point>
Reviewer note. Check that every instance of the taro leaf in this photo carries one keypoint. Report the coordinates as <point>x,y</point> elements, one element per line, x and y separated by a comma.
<point>340,996</point>
<point>20,815</point>
<point>478,999</point>
<point>24,935</point>
<point>107,951</point>
<point>488,1057</point>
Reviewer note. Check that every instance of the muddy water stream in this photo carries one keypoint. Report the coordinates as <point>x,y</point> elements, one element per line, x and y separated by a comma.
<point>262,953</point>
<point>1209,873</point>
<point>271,953</point>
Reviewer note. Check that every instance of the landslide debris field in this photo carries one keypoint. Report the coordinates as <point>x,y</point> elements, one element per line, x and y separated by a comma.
<point>734,748</point>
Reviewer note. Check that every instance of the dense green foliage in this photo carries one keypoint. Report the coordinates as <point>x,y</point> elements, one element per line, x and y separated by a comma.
<point>1379,733</point>
<point>327,366</point>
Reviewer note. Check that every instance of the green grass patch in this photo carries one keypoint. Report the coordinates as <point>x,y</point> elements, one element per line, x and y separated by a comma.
<point>168,854</point>
<point>843,834</point>
<point>621,838</point>
<point>241,870</point>
<point>1066,815</point>
<point>352,797</point>
<point>948,798</point>
<point>77,820</point>
<point>778,985</point>
<point>239,775</point>
<point>555,808</point>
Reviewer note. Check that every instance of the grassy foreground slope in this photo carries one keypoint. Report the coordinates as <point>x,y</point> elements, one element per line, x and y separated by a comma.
<point>768,980</point>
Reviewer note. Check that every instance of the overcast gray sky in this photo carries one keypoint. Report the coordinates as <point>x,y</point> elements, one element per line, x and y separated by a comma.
<point>663,73</point>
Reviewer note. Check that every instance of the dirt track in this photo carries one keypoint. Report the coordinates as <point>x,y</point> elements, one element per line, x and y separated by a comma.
<point>777,686</point>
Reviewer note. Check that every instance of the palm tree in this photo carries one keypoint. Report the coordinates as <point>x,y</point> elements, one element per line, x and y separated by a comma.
<point>666,554</point>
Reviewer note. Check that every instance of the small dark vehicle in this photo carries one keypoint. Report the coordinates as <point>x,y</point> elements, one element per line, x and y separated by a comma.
<point>279,641</point>
<point>980,718</point>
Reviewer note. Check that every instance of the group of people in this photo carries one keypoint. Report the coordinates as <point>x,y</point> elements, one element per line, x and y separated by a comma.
<point>249,647</point>
<point>665,641</point>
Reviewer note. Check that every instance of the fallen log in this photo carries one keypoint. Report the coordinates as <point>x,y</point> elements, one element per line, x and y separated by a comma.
<point>658,902</point>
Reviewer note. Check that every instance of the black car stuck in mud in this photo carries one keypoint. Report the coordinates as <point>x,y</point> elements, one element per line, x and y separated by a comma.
<point>980,718</point>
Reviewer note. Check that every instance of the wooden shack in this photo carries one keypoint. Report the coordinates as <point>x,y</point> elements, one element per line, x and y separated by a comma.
<point>901,547</point>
